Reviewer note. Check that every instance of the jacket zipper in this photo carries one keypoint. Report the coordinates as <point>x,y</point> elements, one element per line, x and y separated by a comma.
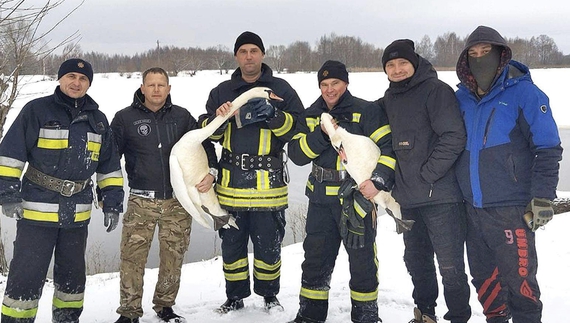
<point>487,127</point>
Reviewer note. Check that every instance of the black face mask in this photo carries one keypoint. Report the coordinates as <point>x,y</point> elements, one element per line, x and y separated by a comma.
<point>484,68</point>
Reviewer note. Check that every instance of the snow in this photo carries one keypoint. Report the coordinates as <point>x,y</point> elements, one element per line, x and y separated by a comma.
<point>202,288</point>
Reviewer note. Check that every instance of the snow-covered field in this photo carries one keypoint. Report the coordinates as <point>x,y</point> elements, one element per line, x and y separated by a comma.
<point>202,287</point>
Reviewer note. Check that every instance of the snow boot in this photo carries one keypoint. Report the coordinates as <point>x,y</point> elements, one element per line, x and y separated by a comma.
<point>124,319</point>
<point>422,318</point>
<point>230,305</point>
<point>166,314</point>
<point>272,303</point>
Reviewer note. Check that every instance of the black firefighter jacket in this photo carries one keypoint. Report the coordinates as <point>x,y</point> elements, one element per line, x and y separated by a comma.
<point>66,142</point>
<point>428,136</point>
<point>310,143</point>
<point>146,138</point>
<point>257,189</point>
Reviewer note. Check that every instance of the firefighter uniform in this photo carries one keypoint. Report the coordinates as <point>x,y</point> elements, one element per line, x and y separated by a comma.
<point>64,141</point>
<point>252,184</point>
<point>323,239</point>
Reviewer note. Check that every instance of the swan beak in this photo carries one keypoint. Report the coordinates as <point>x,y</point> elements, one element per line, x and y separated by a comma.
<point>273,96</point>
<point>342,155</point>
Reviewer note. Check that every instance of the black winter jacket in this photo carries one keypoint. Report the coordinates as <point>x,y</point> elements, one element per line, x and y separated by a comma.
<point>146,139</point>
<point>66,138</point>
<point>428,135</point>
<point>311,144</point>
<point>257,189</point>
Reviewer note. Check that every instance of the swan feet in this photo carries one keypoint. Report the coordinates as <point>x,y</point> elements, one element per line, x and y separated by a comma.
<point>221,221</point>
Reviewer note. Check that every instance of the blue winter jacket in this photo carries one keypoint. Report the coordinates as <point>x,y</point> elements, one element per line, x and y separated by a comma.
<point>513,147</point>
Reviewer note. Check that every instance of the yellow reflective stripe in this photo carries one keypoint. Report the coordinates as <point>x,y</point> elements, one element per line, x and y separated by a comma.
<point>380,133</point>
<point>331,190</point>
<point>265,276</point>
<point>358,208</point>
<point>236,276</point>
<point>339,164</point>
<point>10,172</point>
<point>57,303</point>
<point>310,186</point>
<point>306,149</point>
<point>241,263</point>
<point>52,143</point>
<point>286,127</point>
<point>321,295</point>
<point>225,178</point>
<point>111,181</point>
<point>312,123</point>
<point>251,193</point>
<point>204,123</point>
<point>264,142</point>
<point>250,203</point>
<point>93,146</point>
<point>41,216</point>
<point>364,297</point>
<point>356,117</point>
<point>262,179</point>
<point>265,266</point>
<point>19,313</point>
<point>82,216</point>
<point>227,135</point>
<point>387,161</point>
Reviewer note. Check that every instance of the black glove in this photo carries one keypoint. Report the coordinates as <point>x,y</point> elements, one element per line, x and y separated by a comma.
<point>255,110</point>
<point>381,183</point>
<point>13,210</point>
<point>354,209</point>
<point>538,213</point>
<point>111,220</point>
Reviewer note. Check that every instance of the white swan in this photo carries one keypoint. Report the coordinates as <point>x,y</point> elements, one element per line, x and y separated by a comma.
<point>189,165</point>
<point>359,155</point>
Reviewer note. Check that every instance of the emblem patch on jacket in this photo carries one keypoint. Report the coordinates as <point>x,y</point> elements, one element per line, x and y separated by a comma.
<point>144,129</point>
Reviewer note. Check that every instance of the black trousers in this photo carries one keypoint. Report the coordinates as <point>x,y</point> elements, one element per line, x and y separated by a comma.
<point>33,249</point>
<point>503,262</point>
<point>266,230</point>
<point>321,247</point>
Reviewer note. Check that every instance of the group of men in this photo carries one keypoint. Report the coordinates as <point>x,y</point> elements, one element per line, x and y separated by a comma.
<point>465,168</point>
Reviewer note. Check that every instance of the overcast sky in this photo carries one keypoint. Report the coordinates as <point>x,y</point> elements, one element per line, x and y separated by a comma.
<point>128,26</point>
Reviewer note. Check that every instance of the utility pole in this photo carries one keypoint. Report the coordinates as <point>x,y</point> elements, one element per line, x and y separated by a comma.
<point>158,51</point>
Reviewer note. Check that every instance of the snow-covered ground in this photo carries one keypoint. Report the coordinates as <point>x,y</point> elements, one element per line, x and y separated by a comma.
<point>202,287</point>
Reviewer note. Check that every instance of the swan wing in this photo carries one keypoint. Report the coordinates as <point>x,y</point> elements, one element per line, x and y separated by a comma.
<point>182,194</point>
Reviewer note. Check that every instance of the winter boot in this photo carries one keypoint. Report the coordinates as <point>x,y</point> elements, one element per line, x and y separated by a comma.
<point>124,319</point>
<point>422,318</point>
<point>272,303</point>
<point>230,305</point>
<point>166,314</point>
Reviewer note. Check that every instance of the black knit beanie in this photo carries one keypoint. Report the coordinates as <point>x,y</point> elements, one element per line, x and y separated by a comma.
<point>76,65</point>
<point>401,48</point>
<point>332,69</point>
<point>247,37</point>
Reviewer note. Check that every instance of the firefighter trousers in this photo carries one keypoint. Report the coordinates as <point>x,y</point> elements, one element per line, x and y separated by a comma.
<point>33,249</point>
<point>321,248</point>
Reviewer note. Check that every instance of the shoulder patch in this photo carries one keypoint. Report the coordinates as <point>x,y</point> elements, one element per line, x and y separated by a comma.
<point>543,108</point>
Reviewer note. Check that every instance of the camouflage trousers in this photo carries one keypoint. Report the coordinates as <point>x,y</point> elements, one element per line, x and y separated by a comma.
<point>139,223</point>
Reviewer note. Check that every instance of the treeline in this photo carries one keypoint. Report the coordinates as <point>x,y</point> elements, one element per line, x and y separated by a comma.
<point>358,55</point>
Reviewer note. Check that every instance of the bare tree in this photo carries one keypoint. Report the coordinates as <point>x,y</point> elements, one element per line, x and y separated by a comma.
<point>425,48</point>
<point>22,43</point>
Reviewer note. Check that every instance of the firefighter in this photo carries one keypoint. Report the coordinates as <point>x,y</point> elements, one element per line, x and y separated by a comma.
<point>64,139</point>
<point>252,184</point>
<point>328,222</point>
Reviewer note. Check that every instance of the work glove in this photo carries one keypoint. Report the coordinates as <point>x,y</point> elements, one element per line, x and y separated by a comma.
<point>13,210</point>
<point>380,183</point>
<point>111,220</point>
<point>538,213</point>
<point>255,110</point>
<point>355,207</point>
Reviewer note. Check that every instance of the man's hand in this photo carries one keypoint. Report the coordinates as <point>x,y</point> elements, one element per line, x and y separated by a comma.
<point>205,184</point>
<point>538,213</point>
<point>335,125</point>
<point>368,189</point>
<point>225,109</point>
<point>111,220</point>
<point>13,210</point>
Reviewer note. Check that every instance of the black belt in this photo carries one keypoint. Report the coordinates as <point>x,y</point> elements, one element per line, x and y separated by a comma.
<point>251,162</point>
<point>64,187</point>
<point>150,194</point>
<point>330,175</point>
